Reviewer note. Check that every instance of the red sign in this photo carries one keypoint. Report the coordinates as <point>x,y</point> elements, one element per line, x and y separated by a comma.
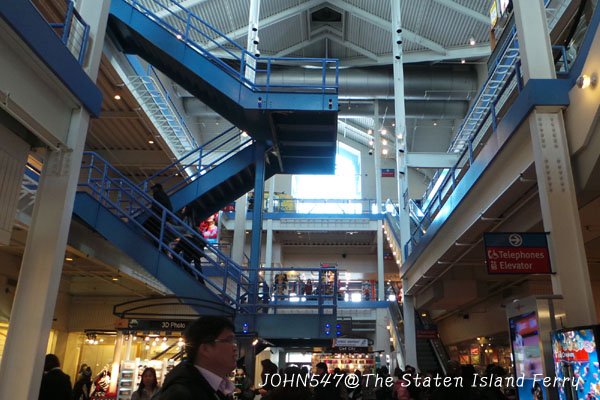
<point>572,355</point>
<point>518,260</point>
<point>427,334</point>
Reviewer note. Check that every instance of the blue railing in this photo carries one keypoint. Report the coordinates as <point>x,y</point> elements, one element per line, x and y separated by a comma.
<point>473,132</point>
<point>200,35</point>
<point>169,234</point>
<point>323,298</point>
<point>74,32</point>
<point>199,161</point>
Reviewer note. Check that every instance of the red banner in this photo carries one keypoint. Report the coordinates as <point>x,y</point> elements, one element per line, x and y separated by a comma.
<point>518,260</point>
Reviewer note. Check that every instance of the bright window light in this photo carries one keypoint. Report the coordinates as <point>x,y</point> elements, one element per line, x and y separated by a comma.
<point>345,184</point>
<point>356,297</point>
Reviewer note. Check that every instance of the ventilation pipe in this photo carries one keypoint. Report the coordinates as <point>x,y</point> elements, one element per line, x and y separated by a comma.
<point>414,109</point>
<point>377,83</point>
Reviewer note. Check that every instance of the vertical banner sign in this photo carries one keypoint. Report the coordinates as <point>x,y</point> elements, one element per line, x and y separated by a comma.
<point>517,253</point>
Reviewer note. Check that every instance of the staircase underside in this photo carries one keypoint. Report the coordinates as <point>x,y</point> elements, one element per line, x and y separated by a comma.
<point>302,125</point>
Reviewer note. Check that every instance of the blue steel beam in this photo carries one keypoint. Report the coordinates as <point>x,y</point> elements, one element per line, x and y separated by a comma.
<point>259,188</point>
<point>141,250</point>
<point>537,92</point>
<point>26,21</point>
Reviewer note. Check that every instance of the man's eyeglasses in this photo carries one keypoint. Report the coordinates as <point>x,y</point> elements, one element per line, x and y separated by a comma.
<point>230,340</point>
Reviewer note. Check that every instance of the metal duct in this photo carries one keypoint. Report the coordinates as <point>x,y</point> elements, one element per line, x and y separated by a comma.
<point>414,109</point>
<point>378,83</point>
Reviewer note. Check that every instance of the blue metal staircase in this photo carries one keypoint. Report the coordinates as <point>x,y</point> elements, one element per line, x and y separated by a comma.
<point>167,248</point>
<point>299,121</point>
<point>213,175</point>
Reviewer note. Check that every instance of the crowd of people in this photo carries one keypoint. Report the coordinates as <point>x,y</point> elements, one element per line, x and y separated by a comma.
<point>212,354</point>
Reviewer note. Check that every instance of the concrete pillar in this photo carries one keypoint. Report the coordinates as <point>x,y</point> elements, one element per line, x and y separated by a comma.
<point>239,230</point>
<point>251,45</point>
<point>41,267</point>
<point>400,125</point>
<point>554,172</point>
<point>410,331</point>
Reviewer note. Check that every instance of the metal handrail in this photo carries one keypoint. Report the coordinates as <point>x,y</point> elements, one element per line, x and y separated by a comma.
<point>185,24</point>
<point>503,80</point>
<point>77,45</point>
<point>120,197</point>
<point>199,161</point>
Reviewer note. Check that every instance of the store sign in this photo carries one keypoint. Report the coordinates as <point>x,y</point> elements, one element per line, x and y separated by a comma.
<point>388,172</point>
<point>157,325</point>
<point>350,345</point>
<point>427,334</point>
<point>517,253</point>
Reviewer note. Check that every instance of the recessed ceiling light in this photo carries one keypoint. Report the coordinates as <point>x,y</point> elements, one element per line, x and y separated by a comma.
<point>117,96</point>
<point>462,61</point>
<point>115,278</point>
<point>150,141</point>
<point>472,41</point>
<point>68,258</point>
<point>384,152</point>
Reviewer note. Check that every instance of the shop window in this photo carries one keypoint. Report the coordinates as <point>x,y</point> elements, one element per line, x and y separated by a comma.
<point>345,184</point>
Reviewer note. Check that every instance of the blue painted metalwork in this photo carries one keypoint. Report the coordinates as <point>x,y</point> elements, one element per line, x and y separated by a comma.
<point>197,34</point>
<point>69,36</point>
<point>259,194</point>
<point>36,33</point>
<point>537,92</point>
<point>162,230</point>
<point>505,76</point>
<point>199,161</point>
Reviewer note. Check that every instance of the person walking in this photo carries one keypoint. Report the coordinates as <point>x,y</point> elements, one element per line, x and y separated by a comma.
<point>56,385</point>
<point>211,350</point>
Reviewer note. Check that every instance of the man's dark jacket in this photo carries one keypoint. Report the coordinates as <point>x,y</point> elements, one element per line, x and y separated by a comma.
<point>56,385</point>
<point>185,382</point>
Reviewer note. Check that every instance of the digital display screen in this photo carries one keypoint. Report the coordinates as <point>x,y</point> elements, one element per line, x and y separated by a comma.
<point>575,356</point>
<point>527,357</point>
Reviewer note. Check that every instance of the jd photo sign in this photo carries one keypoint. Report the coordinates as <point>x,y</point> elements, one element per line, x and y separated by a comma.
<point>517,253</point>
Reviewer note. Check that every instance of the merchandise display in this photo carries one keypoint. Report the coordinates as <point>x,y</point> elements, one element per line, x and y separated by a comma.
<point>365,363</point>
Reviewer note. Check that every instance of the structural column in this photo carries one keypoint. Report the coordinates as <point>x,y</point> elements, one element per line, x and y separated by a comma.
<point>400,125</point>
<point>241,204</point>
<point>268,277</point>
<point>554,172</point>
<point>410,331</point>
<point>41,267</point>
<point>378,201</point>
<point>259,194</point>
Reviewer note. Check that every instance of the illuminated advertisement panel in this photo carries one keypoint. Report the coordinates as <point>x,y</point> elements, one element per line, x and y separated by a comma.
<point>527,358</point>
<point>575,354</point>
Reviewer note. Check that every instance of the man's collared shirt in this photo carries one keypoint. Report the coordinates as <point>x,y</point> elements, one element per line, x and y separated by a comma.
<point>218,383</point>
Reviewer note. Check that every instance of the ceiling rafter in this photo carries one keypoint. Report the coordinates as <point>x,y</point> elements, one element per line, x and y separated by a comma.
<point>464,10</point>
<point>378,21</point>
<point>174,9</point>
<point>299,46</point>
<point>268,21</point>
<point>356,48</point>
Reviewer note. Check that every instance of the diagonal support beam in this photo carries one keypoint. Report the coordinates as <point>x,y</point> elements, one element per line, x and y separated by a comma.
<point>469,12</point>
<point>299,46</point>
<point>378,21</point>
<point>271,20</point>
<point>354,47</point>
<point>174,9</point>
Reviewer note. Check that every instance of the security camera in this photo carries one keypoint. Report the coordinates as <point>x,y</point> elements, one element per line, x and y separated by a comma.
<point>401,151</point>
<point>254,27</point>
<point>256,40</point>
<point>370,152</point>
<point>397,57</point>
<point>399,41</point>
<point>257,53</point>
<point>399,30</point>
